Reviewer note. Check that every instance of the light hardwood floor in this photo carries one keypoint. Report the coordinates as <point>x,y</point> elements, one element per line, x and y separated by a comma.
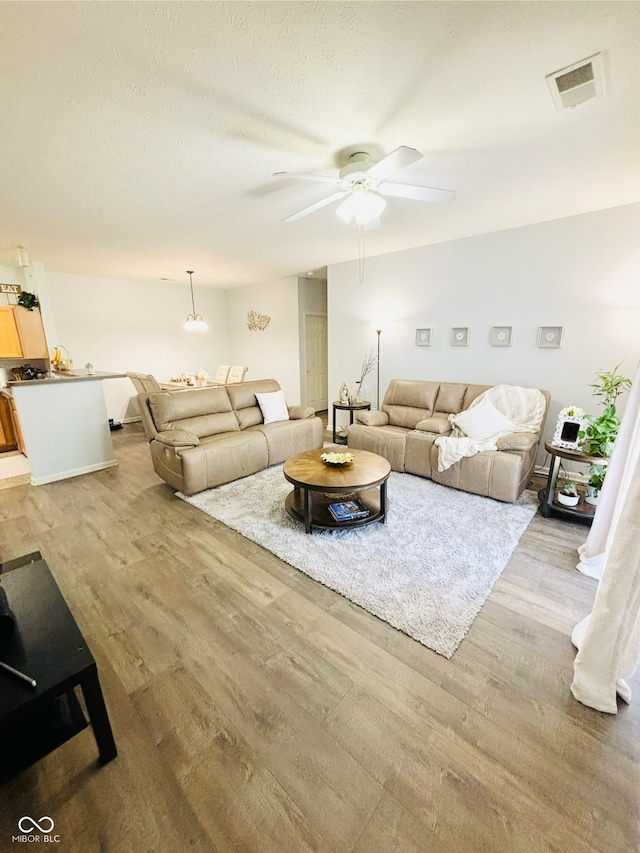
<point>256,711</point>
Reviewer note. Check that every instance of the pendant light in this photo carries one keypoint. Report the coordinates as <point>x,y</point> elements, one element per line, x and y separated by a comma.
<point>194,322</point>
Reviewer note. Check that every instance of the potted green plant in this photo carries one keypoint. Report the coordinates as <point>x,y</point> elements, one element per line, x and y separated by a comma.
<point>596,479</point>
<point>568,495</point>
<point>600,432</point>
<point>28,300</point>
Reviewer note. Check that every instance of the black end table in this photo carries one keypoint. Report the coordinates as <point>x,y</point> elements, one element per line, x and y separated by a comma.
<point>47,646</point>
<point>347,407</point>
<point>583,512</point>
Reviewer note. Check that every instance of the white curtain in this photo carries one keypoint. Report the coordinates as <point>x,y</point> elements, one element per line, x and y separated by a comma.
<point>619,472</point>
<point>608,640</point>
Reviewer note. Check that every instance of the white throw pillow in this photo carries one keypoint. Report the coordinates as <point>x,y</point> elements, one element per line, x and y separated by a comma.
<point>273,406</point>
<point>482,421</point>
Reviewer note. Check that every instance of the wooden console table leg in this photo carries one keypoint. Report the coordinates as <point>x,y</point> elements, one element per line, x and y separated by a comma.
<point>98,716</point>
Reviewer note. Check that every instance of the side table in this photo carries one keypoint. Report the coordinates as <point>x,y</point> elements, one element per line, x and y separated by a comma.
<point>583,512</point>
<point>47,646</point>
<point>346,407</point>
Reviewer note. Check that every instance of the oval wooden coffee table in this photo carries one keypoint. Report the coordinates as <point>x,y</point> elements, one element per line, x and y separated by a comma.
<point>317,485</point>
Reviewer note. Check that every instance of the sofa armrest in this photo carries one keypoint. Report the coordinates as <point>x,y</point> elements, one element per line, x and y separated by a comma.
<point>177,438</point>
<point>441,426</point>
<point>518,441</point>
<point>298,413</point>
<point>374,418</point>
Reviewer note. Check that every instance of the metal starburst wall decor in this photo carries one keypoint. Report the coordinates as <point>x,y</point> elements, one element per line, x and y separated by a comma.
<point>257,322</point>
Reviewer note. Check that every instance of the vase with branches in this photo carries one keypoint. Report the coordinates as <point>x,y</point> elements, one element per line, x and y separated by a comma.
<point>368,365</point>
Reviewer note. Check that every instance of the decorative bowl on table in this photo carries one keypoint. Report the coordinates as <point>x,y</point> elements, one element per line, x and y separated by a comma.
<point>337,460</point>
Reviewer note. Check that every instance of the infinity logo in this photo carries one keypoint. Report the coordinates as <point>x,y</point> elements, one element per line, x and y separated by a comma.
<point>28,824</point>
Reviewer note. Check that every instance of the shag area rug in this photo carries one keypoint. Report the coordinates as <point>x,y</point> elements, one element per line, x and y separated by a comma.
<point>427,571</point>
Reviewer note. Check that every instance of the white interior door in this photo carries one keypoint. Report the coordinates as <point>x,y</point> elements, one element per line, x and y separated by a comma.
<point>315,349</point>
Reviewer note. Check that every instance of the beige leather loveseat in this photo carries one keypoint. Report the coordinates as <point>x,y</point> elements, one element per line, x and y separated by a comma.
<point>204,437</point>
<point>415,413</point>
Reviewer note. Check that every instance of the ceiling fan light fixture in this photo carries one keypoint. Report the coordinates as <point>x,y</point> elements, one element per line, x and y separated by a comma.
<point>362,205</point>
<point>194,322</point>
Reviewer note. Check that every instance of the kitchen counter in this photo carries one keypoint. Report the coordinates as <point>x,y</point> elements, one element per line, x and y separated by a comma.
<point>67,376</point>
<point>64,423</point>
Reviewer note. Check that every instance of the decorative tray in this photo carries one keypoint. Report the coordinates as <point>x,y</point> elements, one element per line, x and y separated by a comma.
<point>337,460</point>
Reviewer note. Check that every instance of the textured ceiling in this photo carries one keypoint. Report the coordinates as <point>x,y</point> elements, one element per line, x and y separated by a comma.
<point>140,138</point>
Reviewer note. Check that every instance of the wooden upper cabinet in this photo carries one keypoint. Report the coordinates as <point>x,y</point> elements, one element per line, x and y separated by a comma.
<point>22,333</point>
<point>10,344</point>
<point>31,331</point>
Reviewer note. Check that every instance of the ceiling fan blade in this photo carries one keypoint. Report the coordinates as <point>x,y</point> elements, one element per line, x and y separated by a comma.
<point>313,207</point>
<point>322,178</point>
<point>393,162</point>
<point>431,194</point>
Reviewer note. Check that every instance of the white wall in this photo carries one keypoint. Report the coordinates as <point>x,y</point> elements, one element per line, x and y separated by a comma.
<point>582,273</point>
<point>122,326</point>
<point>272,354</point>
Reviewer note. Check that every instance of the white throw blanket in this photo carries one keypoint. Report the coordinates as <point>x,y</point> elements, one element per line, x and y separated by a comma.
<point>524,407</point>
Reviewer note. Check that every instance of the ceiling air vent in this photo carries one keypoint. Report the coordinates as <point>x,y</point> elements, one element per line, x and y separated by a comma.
<point>577,83</point>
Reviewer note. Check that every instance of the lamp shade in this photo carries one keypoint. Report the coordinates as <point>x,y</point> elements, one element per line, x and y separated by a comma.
<point>361,205</point>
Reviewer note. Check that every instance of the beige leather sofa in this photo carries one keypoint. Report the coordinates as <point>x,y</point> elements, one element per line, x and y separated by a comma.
<point>208,436</point>
<point>414,413</point>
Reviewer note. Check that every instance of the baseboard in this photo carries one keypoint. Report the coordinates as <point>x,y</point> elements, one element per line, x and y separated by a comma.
<point>576,476</point>
<point>76,472</point>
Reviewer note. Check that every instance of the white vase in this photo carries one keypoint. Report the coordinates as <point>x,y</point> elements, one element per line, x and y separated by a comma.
<point>592,495</point>
<point>568,500</point>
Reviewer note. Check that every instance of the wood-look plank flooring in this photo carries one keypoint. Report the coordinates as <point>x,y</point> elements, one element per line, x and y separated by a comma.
<point>256,711</point>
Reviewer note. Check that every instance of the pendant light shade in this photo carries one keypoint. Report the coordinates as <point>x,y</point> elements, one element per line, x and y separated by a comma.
<point>194,322</point>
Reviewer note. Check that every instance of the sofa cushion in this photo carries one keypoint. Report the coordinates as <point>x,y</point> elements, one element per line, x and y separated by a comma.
<point>243,399</point>
<point>472,391</point>
<point>482,421</point>
<point>273,406</point>
<point>387,441</point>
<point>450,399</point>
<point>407,401</point>
<point>222,458</point>
<point>288,438</point>
<point>300,413</point>
<point>517,441</point>
<point>374,418</point>
<point>438,423</point>
<point>203,411</point>
<point>177,438</point>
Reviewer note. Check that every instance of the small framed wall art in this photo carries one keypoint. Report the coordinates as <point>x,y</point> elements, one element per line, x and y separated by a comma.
<point>501,336</point>
<point>550,337</point>
<point>423,337</point>
<point>460,336</point>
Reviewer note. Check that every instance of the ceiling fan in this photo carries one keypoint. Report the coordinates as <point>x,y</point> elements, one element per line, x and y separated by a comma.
<point>363,183</point>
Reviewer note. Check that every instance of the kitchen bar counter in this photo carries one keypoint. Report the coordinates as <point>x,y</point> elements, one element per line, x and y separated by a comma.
<point>64,424</point>
<point>67,376</point>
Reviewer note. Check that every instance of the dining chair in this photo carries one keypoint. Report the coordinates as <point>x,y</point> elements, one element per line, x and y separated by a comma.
<point>144,383</point>
<point>236,373</point>
<point>221,374</point>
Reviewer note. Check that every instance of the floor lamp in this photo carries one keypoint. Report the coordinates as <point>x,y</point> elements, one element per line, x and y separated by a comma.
<point>378,329</point>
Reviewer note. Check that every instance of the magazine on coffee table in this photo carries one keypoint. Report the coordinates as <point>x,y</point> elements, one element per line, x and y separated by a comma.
<point>348,510</point>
